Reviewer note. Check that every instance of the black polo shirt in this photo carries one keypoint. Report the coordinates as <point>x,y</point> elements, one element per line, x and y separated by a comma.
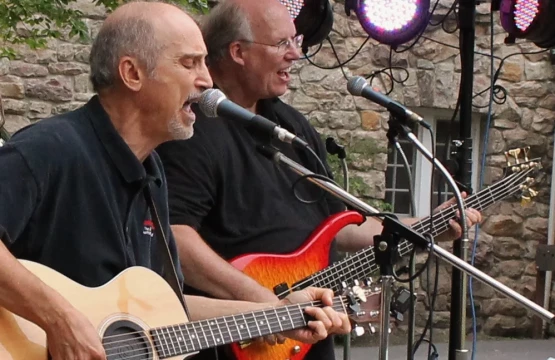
<point>71,198</point>
<point>241,202</point>
<point>238,200</point>
<point>3,234</point>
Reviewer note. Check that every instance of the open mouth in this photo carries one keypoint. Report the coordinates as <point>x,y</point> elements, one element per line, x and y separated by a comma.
<point>284,74</point>
<point>194,98</point>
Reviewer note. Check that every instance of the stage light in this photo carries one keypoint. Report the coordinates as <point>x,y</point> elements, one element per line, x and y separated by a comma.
<point>532,20</point>
<point>391,22</point>
<point>313,19</point>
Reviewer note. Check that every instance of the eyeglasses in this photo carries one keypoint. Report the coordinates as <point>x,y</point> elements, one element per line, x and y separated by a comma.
<point>283,45</point>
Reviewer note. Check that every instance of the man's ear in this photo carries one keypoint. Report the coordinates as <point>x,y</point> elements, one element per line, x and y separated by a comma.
<point>131,73</point>
<point>236,52</point>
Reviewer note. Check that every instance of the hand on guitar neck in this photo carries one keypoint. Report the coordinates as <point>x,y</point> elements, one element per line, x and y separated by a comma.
<point>473,217</point>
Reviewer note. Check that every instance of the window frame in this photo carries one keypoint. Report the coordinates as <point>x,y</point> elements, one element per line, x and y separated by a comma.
<point>422,167</point>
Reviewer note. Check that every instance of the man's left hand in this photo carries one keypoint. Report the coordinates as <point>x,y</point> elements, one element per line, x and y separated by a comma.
<point>326,320</point>
<point>473,217</point>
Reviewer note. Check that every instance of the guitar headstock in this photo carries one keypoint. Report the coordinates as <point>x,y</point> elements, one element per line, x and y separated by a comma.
<point>518,163</point>
<point>364,302</point>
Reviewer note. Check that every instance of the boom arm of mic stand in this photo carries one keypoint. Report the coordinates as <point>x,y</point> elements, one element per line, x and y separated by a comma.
<point>395,127</point>
<point>460,282</point>
<point>443,254</point>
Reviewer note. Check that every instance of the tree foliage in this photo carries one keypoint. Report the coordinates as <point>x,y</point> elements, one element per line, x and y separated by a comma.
<point>34,22</point>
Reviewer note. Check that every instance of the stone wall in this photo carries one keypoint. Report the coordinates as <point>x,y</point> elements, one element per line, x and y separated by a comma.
<point>45,82</point>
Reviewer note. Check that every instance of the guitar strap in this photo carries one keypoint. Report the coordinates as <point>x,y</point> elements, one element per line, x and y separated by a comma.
<point>168,267</point>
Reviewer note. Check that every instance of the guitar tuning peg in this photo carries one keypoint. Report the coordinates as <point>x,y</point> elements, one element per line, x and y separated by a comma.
<point>515,153</point>
<point>344,285</point>
<point>357,331</point>
<point>372,329</point>
<point>525,150</point>
<point>533,193</point>
<point>356,282</point>
<point>368,282</point>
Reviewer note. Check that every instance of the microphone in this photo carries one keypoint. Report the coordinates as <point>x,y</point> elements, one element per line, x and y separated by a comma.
<point>358,86</point>
<point>214,103</point>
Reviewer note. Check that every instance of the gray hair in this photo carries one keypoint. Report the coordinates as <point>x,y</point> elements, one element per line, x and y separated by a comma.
<point>225,23</point>
<point>131,36</point>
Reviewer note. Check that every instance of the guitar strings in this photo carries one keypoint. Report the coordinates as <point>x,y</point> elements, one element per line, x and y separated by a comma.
<point>405,247</point>
<point>449,212</point>
<point>173,337</point>
<point>495,190</point>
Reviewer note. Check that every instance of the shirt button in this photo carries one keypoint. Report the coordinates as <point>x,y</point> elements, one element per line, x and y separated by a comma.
<point>127,229</point>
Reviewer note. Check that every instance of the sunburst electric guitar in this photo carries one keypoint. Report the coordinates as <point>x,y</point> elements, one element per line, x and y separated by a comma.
<point>307,265</point>
<point>138,317</point>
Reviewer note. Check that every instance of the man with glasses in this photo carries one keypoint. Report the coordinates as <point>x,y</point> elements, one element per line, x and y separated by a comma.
<point>225,198</point>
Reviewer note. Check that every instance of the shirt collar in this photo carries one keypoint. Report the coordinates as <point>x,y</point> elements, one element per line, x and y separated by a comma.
<point>118,150</point>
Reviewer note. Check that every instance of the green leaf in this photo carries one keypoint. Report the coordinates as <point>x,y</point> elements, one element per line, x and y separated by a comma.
<point>33,22</point>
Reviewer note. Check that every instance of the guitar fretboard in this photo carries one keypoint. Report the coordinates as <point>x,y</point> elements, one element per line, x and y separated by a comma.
<point>362,264</point>
<point>182,339</point>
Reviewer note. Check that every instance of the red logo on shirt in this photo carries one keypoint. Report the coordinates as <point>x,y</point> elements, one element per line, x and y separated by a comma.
<point>148,228</point>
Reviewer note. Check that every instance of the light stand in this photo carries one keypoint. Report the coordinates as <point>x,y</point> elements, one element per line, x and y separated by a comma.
<point>459,282</point>
<point>409,234</point>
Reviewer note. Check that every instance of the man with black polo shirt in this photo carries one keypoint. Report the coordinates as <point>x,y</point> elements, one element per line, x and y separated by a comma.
<point>75,188</point>
<point>225,198</point>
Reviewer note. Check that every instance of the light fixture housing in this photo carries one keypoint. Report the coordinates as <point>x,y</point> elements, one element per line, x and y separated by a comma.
<point>313,19</point>
<point>391,22</point>
<point>533,20</point>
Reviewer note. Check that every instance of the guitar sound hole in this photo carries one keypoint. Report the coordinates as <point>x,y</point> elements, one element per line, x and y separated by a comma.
<point>125,340</point>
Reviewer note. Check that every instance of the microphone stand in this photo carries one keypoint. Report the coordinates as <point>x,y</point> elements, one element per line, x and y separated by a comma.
<point>392,230</point>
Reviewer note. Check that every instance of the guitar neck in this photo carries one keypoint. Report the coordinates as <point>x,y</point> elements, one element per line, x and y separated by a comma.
<point>190,337</point>
<point>362,264</point>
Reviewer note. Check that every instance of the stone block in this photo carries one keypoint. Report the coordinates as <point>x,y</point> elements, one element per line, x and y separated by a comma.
<point>542,70</point>
<point>17,107</point>
<point>4,66</point>
<point>15,122</point>
<point>39,110</point>
<point>512,71</point>
<point>496,143</point>
<point>67,68</point>
<point>11,87</point>
<point>503,225</point>
<point>23,69</point>
<point>506,307</point>
<point>52,89</point>
<point>371,120</point>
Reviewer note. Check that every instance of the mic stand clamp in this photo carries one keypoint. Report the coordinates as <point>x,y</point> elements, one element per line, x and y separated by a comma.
<point>386,251</point>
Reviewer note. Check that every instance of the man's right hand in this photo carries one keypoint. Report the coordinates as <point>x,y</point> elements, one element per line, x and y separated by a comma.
<point>71,336</point>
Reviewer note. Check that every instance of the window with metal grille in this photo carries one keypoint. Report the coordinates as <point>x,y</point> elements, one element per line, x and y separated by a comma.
<point>397,184</point>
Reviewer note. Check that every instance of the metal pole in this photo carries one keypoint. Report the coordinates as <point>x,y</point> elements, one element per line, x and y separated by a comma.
<point>459,282</point>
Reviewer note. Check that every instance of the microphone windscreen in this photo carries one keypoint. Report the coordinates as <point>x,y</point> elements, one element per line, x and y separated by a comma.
<point>356,84</point>
<point>209,100</point>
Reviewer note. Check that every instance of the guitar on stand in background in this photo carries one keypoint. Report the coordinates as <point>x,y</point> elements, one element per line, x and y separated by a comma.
<point>307,266</point>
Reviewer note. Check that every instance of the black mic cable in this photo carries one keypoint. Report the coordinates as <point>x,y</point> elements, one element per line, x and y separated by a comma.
<point>333,148</point>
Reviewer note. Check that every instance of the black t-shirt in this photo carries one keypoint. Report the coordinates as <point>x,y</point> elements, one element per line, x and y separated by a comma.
<point>4,234</point>
<point>71,198</point>
<point>237,199</point>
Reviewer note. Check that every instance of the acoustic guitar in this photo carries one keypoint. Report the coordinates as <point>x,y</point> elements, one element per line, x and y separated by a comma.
<point>138,317</point>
